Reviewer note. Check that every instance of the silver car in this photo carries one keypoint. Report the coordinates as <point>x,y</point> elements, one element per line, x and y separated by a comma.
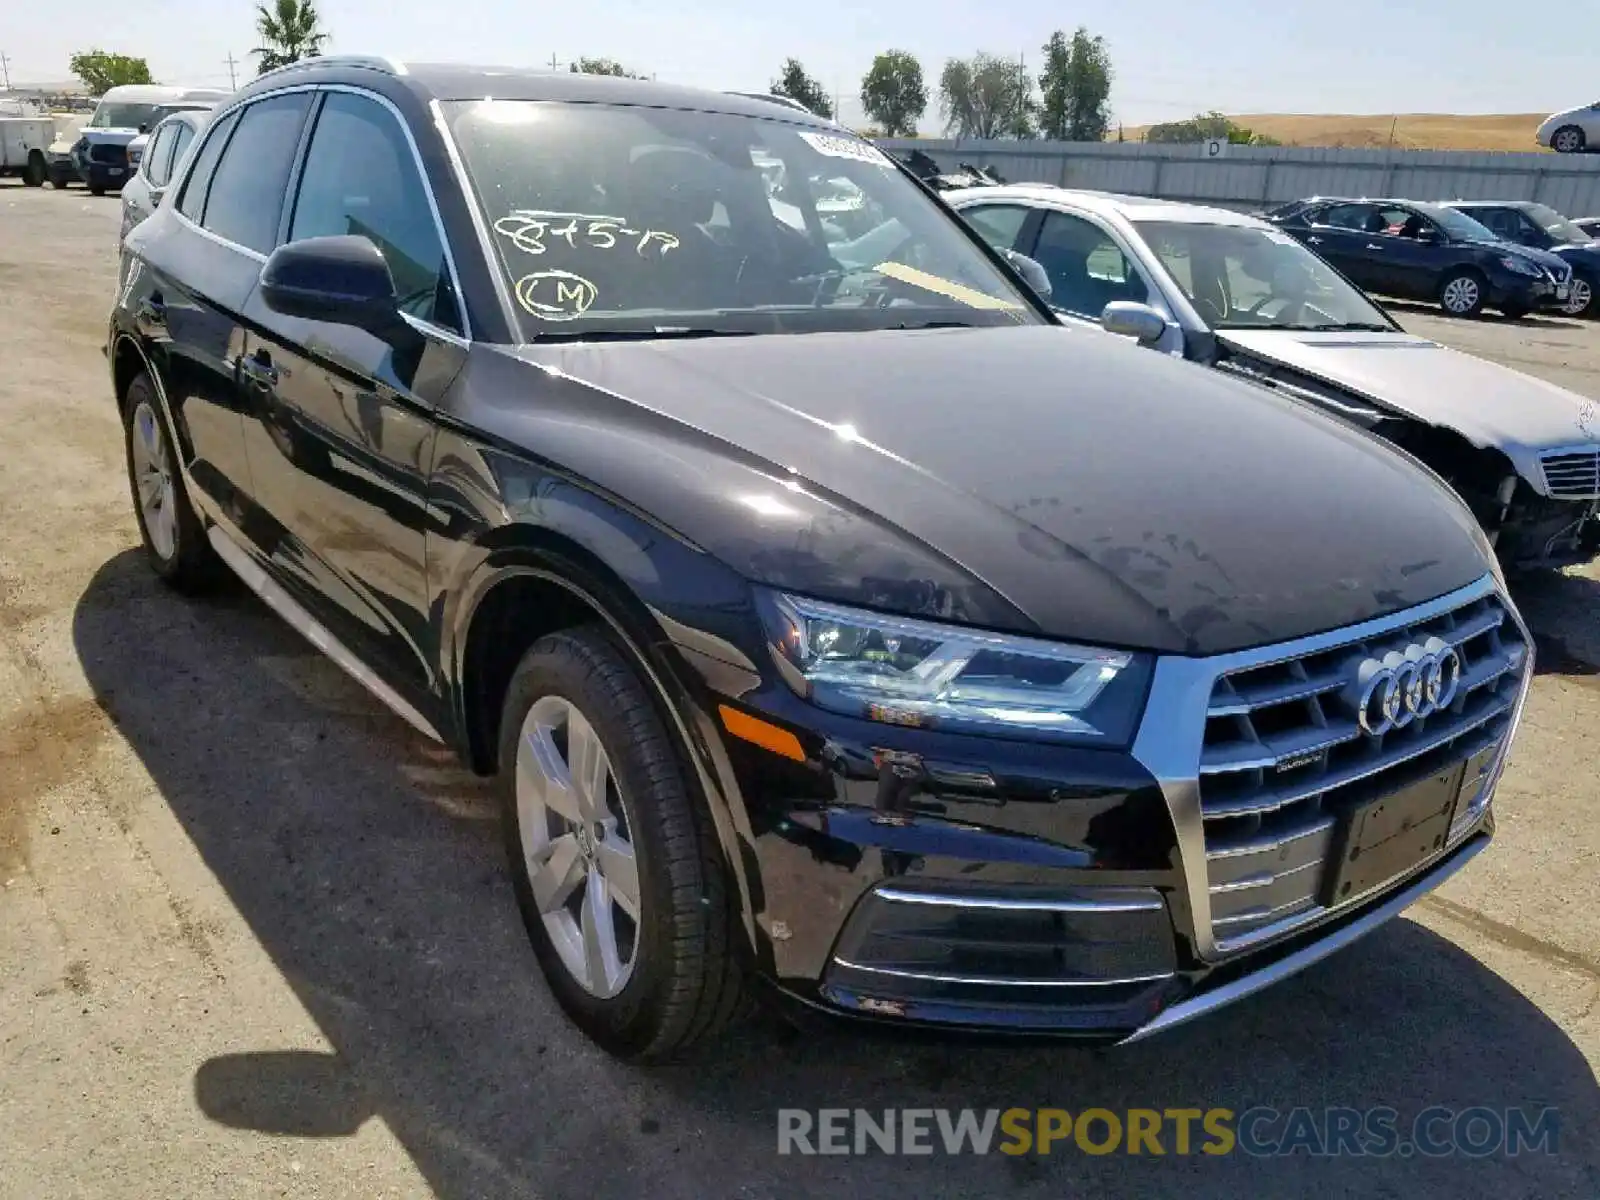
<point>159,159</point>
<point>1233,292</point>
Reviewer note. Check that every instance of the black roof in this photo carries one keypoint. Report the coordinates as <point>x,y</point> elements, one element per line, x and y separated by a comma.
<point>455,81</point>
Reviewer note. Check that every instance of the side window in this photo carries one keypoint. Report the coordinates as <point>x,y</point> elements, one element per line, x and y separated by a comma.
<point>193,201</point>
<point>182,138</point>
<point>1527,230</point>
<point>1087,269</point>
<point>1359,217</point>
<point>360,177</point>
<point>997,224</point>
<point>247,190</point>
<point>158,156</point>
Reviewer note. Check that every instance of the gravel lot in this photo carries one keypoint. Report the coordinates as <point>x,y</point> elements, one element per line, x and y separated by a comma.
<point>255,938</point>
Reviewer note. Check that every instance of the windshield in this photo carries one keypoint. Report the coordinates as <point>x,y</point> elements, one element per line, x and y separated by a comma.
<point>1556,225</point>
<point>110,115</point>
<point>1458,224</point>
<point>1241,277</point>
<point>631,220</point>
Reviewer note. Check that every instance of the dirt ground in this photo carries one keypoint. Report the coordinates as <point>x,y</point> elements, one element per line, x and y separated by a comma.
<point>255,937</point>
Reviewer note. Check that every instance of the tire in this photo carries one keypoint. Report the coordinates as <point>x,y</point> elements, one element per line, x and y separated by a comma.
<point>174,540</point>
<point>59,179</point>
<point>34,173</point>
<point>1569,139</point>
<point>1462,292</point>
<point>1581,299</point>
<point>97,189</point>
<point>682,980</point>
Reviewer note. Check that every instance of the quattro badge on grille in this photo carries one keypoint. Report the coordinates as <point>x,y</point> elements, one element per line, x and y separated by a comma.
<point>1404,686</point>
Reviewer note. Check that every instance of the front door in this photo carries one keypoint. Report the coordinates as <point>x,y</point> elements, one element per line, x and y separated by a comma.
<point>342,435</point>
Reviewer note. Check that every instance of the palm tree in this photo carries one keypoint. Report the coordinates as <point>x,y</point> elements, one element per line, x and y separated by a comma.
<point>289,32</point>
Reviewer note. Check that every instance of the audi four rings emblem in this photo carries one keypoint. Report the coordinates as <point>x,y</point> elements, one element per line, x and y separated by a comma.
<point>1405,685</point>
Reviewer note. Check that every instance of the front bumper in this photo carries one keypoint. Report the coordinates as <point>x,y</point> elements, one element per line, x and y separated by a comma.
<point>952,882</point>
<point>1507,290</point>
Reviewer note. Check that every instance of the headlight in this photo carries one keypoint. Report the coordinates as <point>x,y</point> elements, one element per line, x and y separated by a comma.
<point>903,671</point>
<point>1522,266</point>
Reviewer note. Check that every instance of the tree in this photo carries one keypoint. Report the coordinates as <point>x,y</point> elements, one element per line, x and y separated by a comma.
<point>893,94</point>
<point>794,83</point>
<point>1203,127</point>
<point>986,97</point>
<point>101,71</point>
<point>1076,84</point>
<point>604,66</point>
<point>290,30</point>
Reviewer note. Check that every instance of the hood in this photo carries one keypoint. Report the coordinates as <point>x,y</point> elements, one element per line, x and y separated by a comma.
<point>1574,254</point>
<point>1488,404</point>
<point>108,137</point>
<point>1547,260</point>
<point>1106,493</point>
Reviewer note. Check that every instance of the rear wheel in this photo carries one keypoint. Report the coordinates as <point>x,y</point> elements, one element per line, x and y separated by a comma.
<point>34,173</point>
<point>1568,139</point>
<point>619,877</point>
<point>1461,293</point>
<point>97,189</point>
<point>60,177</point>
<point>174,540</point>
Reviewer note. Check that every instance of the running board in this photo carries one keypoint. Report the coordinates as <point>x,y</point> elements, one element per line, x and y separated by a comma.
<point>285,605</point>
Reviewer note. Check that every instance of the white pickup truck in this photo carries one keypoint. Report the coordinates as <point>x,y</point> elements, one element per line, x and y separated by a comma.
<point>25,134</point>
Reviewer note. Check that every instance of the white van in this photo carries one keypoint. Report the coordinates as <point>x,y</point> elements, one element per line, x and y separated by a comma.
<point>100,155</point>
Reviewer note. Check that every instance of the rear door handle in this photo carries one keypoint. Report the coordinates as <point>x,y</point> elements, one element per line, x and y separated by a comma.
<point>1315,241</point>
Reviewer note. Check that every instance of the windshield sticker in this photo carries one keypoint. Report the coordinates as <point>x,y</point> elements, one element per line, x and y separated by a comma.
<point>971,297</point>
<point>556,295</point>
<point>845,147</point>
<point>527,228</point>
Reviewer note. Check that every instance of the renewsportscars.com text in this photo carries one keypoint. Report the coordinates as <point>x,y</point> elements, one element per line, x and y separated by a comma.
<point>1476,1132</point>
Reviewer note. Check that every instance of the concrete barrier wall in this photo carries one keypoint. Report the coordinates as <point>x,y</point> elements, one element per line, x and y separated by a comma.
<point>1252,177</point>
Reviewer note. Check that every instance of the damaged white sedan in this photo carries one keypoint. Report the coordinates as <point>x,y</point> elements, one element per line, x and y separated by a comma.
<point>1229,290</point>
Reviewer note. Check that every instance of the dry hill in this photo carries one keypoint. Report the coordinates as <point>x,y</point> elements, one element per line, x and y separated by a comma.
<point>1412,131</point>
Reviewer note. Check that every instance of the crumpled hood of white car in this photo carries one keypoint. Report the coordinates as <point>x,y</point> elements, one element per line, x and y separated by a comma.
<point>1488,404</point>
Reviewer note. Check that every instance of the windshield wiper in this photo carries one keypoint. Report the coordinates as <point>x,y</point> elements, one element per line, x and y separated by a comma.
<point>662,332</point>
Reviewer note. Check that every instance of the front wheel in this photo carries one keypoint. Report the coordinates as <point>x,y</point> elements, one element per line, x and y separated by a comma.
<point>1461,293</point>
<point>617,872</point>
<point>97,189</point>
<point>34,173</point>
<point>174,540</point>
<point>60,177</point>
<point>1580,298</point>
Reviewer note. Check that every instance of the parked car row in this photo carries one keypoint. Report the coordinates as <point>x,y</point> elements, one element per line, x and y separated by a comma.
<point>833,613</point>
<point>1234,291</point>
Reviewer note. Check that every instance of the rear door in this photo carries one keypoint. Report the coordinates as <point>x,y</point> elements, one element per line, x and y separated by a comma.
<point>341,432</point>
<point>1340,233</point>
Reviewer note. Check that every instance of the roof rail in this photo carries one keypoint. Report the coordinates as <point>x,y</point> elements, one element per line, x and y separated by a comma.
<point>366,62</point>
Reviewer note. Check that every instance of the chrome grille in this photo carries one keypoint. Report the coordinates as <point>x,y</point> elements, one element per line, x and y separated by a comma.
<point>1572,474</point>
<point>1283,757</point>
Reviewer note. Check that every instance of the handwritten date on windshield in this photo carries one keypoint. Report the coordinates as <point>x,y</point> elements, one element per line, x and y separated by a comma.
<point>529,229</point>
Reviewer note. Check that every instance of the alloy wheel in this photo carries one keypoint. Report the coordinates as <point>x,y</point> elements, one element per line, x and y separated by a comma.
<point>577,848</point>
<point>1578,297</point>
<point>1461,295</point>
<point>1567,141</point>
<point>152,476</point>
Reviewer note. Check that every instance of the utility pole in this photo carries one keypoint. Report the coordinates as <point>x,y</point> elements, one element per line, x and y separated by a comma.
<point>5,69</point>
<point>552,61</point>
<point>233,81</point>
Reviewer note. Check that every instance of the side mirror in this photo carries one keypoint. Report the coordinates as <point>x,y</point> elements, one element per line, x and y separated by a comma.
<point>1030,270</point>
<point>342,280</point>
<point>1138,321</point>
<point>1429,237</point>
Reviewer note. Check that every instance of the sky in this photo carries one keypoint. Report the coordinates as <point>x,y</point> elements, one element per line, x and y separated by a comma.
<point>1171,58</point>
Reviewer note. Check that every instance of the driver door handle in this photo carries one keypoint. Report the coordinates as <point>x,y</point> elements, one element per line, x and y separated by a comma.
<point>257,368</point>
<point>1315,241</point>
<point>1374,246</point>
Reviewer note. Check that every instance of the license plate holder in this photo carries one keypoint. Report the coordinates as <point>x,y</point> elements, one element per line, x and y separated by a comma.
<point>1382,838</point>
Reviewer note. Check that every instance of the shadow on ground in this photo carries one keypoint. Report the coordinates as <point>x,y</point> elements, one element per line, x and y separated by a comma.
<point>368,866</point>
